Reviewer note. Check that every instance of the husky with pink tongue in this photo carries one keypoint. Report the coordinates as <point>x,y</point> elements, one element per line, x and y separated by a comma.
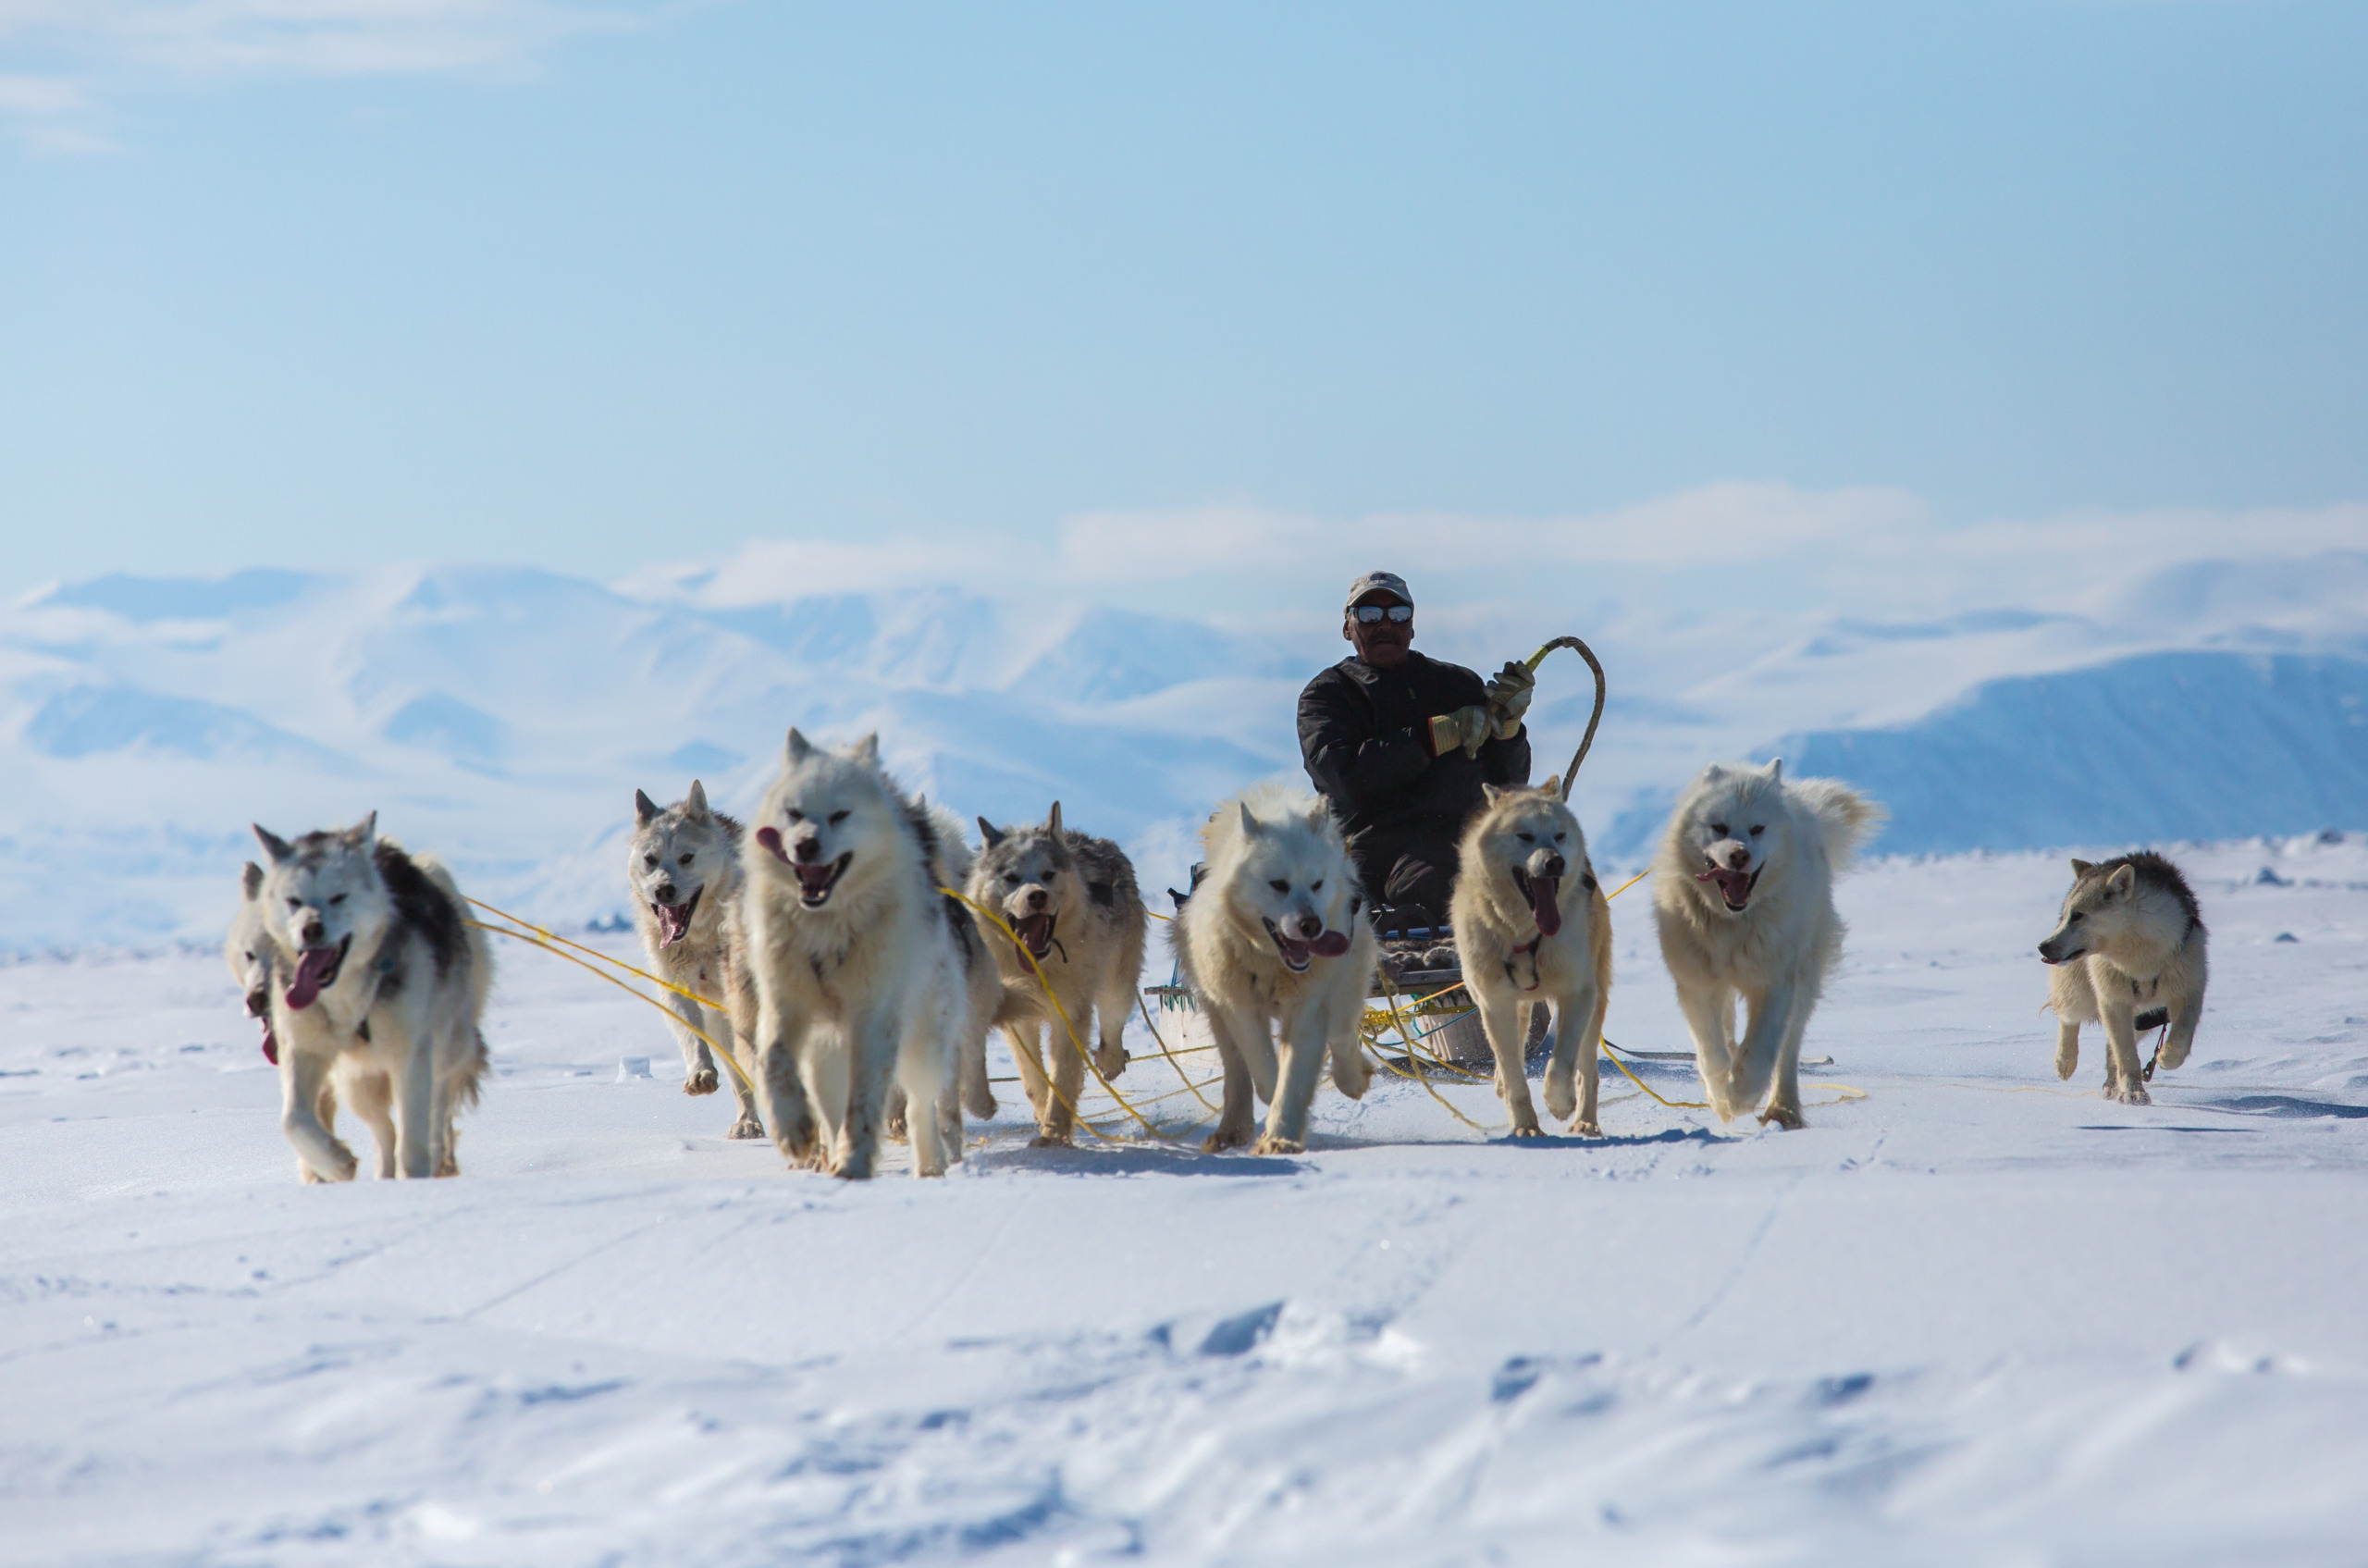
<point>1743,891</point>
<point>376,982</point>
<point>861,965</point>
<point>684,863</point>
<point>1532,927</point>
<point>1276,935</point>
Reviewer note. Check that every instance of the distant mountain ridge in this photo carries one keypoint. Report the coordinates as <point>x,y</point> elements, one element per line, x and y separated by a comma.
<point>505,717</point>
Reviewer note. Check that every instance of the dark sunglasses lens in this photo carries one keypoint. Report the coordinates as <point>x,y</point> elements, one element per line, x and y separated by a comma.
<point>1372,615</point>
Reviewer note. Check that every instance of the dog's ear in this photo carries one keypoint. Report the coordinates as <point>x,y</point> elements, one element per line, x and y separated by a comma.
<point>2122,883</point>
<point>364,830</point>
<point>1490,793</point>
<point>2081,868</point>
<point>1714,773</point>
<point>645,810</point>
<point>1053,820</point>
<point>1250,824</point>
<point>867,749</point>
<point>1553,785</point>
<point>988,834</point>
<point>251,881</point>
<point>800,748</point>
<point>1776,770</point>
<point>697,798</point>
<point>278,848</point>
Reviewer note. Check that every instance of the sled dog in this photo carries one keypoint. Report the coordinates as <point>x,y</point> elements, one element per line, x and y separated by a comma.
<point>2127,952</point>
<point>1532,926</point>
<point>1072,903</point>
<point>684,863</point>
<point>1742,892</point>
<point>375,984</point>
<point>856,959</point>
<point>1275,934</point>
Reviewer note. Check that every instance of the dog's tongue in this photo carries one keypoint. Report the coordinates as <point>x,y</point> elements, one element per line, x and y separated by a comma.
<point>675,919</point>
<point>1736,886</point>
<point>1036,934</point>
<point>270,1045</point>
<point>1544,892</point>
<point>312,968</point>
<point>1331,944</point>
<point>770,839</point>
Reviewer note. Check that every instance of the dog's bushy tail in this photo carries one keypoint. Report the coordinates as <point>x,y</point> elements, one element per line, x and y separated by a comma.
<point>1846,818</point>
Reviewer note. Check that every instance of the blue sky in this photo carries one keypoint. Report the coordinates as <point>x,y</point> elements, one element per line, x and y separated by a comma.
<point>590,287</point>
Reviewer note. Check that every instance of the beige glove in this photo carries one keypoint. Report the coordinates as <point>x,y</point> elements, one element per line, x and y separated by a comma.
<point>1466,727</point>
<point>1509,693</point>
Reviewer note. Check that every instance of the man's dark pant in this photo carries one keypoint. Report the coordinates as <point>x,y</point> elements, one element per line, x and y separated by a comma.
<point>1410,865</point>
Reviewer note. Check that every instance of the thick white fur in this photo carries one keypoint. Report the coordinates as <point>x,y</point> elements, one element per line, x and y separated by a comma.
<point>2122,946</point>
<point>1775,954</point>
<point>983,994</point>
<point>1495,925</point>
<point>402,1039</point>
<point>1267,835</point>
<point>686,854</point>
<point>866,986</point>
<point>1093,964</point>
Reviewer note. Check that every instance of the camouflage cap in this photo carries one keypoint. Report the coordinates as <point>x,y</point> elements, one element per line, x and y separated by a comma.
<point>1379,582</point>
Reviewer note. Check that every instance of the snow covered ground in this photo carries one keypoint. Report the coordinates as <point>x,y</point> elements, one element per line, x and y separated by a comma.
<point>1976,1317</point>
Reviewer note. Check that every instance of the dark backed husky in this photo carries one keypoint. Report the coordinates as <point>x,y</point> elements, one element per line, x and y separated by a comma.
<point>374,977</point>
<point>2129,952</point>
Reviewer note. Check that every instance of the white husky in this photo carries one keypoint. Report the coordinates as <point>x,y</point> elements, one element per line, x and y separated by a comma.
<point>684,863</point>
<point>1532,926</point>
<point>2129,952</point>
<point>1072,902</point>
<point>1743,889</point>
<point>1275,934</point>
<point>375,981</point>
<point>856,962</point>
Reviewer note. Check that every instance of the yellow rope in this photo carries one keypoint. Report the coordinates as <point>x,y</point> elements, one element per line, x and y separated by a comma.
<point>551,936</point>
<point>1407,1035</point>
<point>1629,883</point>
<point>1171,1054</point>
<point>721,1053</point>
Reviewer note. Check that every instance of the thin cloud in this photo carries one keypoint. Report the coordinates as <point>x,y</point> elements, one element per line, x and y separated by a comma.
<point>1722,549</point>
<point>88,51</point>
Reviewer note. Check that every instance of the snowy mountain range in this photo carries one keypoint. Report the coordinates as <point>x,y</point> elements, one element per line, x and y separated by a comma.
<point>505,717</point>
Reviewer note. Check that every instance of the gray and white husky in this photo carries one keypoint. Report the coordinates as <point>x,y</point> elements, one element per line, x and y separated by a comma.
<point>1072,902</point>
<point>856,959</point>
<point>2128,951</point>
<point>376,984</point>
<point>1742,892</point>
<point>1532,926</point>
<point>1275,934</point>
<point>684,863</point>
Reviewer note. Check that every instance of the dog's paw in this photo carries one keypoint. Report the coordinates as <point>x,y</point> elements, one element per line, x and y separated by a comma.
<point>1561,1098</point>
<point>1785,1117</point>
<point>1587,1129</point>
<point>1111,1060</point>
<point>1351,1076</point>
<point>1052,1141</point>
<point>746,1127</point>
<point>1532,1131</point>
<point>2130,1094</point>
<point>1270,1145</point>
<point>2066,1063</point>
<point>702,1082</point>
<point>897,1132</point>
<point>1222,1140</point>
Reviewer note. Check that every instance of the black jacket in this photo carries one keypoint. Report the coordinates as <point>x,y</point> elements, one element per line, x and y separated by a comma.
<point>1364,734</point>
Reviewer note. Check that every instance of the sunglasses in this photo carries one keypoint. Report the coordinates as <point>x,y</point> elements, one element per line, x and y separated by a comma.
<point>1373,614</point>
